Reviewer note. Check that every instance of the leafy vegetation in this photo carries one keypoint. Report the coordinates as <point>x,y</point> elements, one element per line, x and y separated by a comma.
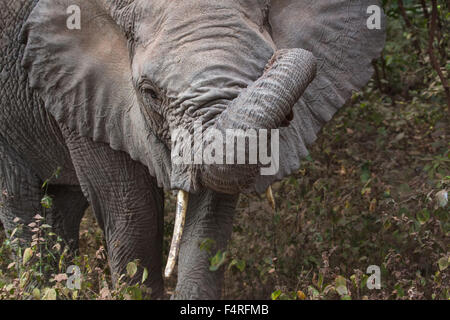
<point>372,192</point>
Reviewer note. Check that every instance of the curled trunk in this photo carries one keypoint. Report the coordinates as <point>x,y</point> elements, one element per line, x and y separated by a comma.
<point>266,104</point>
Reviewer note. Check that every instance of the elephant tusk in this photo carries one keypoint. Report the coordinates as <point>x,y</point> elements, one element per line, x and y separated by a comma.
<point>180,218</point>
<point>270,197</point>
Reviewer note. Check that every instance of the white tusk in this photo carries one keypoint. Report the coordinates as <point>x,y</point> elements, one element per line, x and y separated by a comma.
<point>270,198</point>
<point>180,218</point>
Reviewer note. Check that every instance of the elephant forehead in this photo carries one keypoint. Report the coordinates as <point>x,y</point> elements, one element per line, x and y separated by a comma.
<point>184,53</point>
<point>180,9</point>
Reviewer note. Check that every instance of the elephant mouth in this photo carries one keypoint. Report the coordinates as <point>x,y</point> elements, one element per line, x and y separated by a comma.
<point>266,104</point>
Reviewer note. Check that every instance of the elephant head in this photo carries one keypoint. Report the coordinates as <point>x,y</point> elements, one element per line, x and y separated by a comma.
<point>137,71</point>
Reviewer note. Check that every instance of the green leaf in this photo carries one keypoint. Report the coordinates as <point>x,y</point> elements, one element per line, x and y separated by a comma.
<point>57,172</point>
<point>341,286</point>
<point>340,281</point>
<point>400,291</point>
<point>443,263</point>
<point>131,269</point>
<point>49,294</point>
<point>320,281</point>
<point>423,216</point>
<point>276,294</point>
<point>239,264</point>
<point>144,275</point>
<point>313,291</point>
<point>135,293</point>
<point>341,290</point>
<point>47,202</point>
<point>45,184</point>
<point>36,293</point>
<point>365,173</point>
<point>9,288</point>
<point>24,279</point>
<point>218,260</point>
<point>27,254</point>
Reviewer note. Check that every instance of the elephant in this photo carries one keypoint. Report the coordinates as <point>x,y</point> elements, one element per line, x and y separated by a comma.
<point>98,88</point>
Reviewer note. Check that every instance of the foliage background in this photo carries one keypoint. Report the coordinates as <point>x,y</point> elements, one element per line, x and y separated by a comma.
<point>371,193</point>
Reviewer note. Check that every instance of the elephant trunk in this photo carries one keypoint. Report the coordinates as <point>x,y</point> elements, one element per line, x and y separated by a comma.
<point>266,104</point>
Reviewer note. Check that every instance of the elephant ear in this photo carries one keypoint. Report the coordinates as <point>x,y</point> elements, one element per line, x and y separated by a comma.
<point>337,33</point>
<point>84,77</point>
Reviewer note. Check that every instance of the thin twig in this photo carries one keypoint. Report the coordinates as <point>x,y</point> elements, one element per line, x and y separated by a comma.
<point>377,76</point>
<point>433,60</point>
<point>411,27</point>
<point>425,10</point>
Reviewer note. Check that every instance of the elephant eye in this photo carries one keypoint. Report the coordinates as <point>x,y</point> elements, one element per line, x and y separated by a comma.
<point>151,93</point>
<point>148,90</point>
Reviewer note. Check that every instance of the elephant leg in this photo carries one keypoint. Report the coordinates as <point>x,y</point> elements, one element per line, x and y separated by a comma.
<point>128,206</point>
<point>69,206</point>
<point>20,193</point>
<point>20,197</point>
<point>209,216</point>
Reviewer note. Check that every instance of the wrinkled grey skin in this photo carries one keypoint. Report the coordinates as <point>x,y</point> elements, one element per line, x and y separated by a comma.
<point>102,102</point>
